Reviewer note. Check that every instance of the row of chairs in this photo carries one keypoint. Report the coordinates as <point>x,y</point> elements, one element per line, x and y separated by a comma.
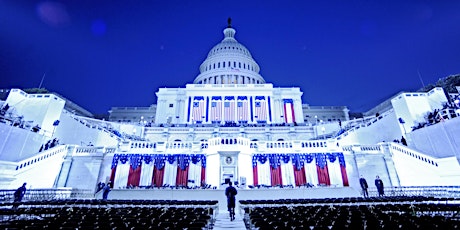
<point>395,214</point>
<point>72,214</point>
<point>112,202</point>
<point>348,200</point>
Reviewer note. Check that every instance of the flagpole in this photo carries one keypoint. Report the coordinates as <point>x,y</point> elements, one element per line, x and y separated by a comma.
<point>41,82</point>
<point>420,77</point>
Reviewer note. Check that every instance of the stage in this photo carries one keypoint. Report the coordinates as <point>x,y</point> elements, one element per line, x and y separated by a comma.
<point>243,194</point>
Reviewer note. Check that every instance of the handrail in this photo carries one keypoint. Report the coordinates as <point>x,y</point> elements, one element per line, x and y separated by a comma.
<point>396,148</point>
<point>47,194</point>
<point>56,151</point>
<point>362,122</point>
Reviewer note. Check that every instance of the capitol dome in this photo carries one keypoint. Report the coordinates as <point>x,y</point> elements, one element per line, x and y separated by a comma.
<point>229,62</point>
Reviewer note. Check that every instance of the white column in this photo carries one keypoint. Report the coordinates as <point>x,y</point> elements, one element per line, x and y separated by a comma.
<point>213,170</point>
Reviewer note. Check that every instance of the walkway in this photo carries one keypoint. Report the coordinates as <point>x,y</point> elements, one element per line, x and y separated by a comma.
<point>223,221</point>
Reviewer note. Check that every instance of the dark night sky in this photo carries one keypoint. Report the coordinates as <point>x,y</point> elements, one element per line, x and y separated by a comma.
<point>101,53</point>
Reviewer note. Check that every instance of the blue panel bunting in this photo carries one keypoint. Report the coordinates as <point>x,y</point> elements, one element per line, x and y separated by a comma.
<point>115,159</point>
<point>309,157</point>
<point>229,98</point>
<point>285,158</point>
<point>183,161</point>
<point>341,159</point>
<point>288,101</point>
<point>195,158</point>
<point>274,160</point>
<point>171,159</point>
<point>203,160</point>
<point>216,98</point>
<point>298,160</point>
<point>332,157</point>
<point>198,98</point>
<point>269,108</point>
<point>135,160</point>
<point>160,161</point>
<point>124,158</point>
<point>260,97</point>
<point>147,158</point>
<point>242,98</point>
<point>321,160</point>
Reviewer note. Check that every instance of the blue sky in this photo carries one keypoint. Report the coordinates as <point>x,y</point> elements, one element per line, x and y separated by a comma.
<point>104,53</point>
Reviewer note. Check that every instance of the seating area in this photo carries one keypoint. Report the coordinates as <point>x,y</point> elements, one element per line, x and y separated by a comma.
<point>110,214</point>
<point>353,213</point>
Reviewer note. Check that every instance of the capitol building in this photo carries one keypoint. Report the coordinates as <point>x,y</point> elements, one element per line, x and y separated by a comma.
<point>229,125</point>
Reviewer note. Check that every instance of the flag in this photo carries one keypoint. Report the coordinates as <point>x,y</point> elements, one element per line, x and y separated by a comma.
<point>198,109</point>
<point>229,108</point>
<point>234,69</point>
<point>243,108</point>
<point>260,109</point>
<point>216,109</point>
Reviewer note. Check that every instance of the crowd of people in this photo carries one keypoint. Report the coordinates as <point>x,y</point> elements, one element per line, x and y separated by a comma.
<point>435,116</point>
<point>49,144</point>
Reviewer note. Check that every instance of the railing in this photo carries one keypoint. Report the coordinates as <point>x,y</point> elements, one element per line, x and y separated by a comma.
<point>58,151</point>
<point>363,122</point>
<point>93,124</point>
<point>429,191</point>
<point>401,149</point>
<point>47,194</point>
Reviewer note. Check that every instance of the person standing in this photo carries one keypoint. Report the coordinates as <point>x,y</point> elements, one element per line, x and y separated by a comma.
<point>403,141</point>
<point>105,191</point>
<point>231,192</point>
<point>379,185</point>
<point>18,195</point>
<point>364,186</point>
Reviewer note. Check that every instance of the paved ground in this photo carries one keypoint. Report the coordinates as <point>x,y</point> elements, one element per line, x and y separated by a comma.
<point>223,221</point>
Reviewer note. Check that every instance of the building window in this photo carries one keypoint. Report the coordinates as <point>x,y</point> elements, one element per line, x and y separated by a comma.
<point>171,105</point>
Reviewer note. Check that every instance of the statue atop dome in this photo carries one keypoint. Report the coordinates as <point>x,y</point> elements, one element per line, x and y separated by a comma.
<point>229,21</point>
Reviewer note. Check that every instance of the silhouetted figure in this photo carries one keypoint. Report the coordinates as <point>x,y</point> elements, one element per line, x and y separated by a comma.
<point>35,129</point>
<point>364,186</point>
<point>4,109</point>
<point>403,141</point>
<point>106,190</point>
<point>47,145</point>
<point>100,186</point>
<point>231,192</point>
<point>18,195</point>
<point>379,185</point>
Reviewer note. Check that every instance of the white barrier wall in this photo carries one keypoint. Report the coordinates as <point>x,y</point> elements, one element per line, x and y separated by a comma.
<point>385,128</point>
<point>72,131</point>
<point>439,140</point>
<point>39,109</point>
<point>17,143</point>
